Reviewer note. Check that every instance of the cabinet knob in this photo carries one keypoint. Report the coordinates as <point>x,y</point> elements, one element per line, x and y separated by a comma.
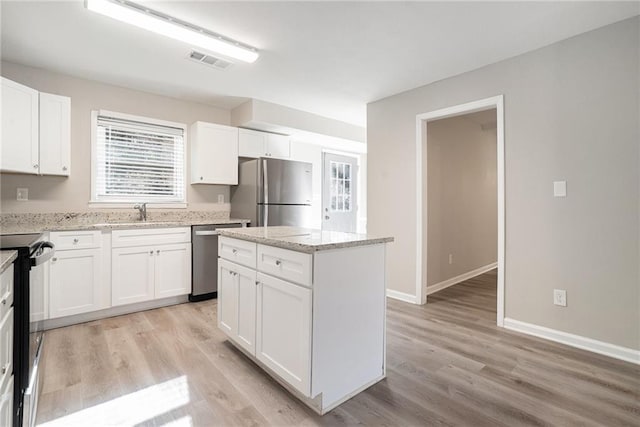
<point>75,241</point>
<point>36,166</point>
<point>64,168</point>
<point>235,251</point>
<point>54,259</point>
<point>4,369</point>
<point>201,178</point>
<point>4,301</point>
<point>151,252</point>
<point>257,283</point>
<point>158,252</point>
<point>278,262</point>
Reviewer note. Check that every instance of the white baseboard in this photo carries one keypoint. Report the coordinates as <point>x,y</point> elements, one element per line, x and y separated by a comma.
<point>461,278</point>
<point>402,296</point>
<point>578,341</point>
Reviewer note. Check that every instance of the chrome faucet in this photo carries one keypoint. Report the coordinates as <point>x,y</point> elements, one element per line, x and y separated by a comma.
<point>142,207</point>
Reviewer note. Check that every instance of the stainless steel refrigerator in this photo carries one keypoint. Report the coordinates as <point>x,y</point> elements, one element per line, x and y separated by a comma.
<point>273,192</point>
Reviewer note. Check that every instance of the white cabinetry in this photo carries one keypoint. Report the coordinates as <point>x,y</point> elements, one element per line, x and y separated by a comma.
<point>319,317</point>
<point>150,264</point>
<point>214,154</point>
<point>19,128</point>
<point>252,143</point>
<point>55,134</point>
<point>6,347</point>
<point>35,131</point>
<point>76,282</point>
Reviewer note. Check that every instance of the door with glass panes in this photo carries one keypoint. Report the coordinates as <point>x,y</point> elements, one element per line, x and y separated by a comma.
<point>339,193</point>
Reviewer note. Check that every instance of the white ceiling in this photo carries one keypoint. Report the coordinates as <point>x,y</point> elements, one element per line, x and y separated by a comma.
<point>328,58</point>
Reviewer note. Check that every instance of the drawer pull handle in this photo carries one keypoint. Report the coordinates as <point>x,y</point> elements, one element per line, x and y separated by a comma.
<point>75,241</point>
<point>278,262</point>
<point>4,301</point>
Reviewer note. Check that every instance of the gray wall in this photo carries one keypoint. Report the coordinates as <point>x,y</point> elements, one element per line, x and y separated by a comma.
<point>462,208</point>
<point>571,112</point>
<point>59,194</point>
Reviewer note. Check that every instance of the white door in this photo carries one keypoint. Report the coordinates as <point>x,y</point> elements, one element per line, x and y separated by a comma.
<point>172,270</point>
<point>75,282</point>
<point>339,193</point>
<point>132,275</point>
<point>283,330</point>
<point>55,134</point>
<point>19,128</point>
<point>227,298</point>
<point>247,291</point>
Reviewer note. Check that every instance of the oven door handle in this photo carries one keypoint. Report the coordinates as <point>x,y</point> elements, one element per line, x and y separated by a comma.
<point>44,256</point>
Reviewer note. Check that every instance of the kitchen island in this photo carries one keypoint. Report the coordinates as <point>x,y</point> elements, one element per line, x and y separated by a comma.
<point>307,306</point>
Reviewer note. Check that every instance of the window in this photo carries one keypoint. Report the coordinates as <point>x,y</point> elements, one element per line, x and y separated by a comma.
<point>340,187</point>
<point>136,159</point>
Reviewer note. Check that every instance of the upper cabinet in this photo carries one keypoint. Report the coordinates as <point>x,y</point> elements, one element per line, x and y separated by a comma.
<point>214,154</point>
<point>36,137</point>
<point>55,134</point>
<point>20,146</point>
<point>252,143</point>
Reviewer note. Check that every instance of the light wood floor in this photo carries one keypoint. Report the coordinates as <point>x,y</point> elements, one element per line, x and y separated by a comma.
<point>447,364</point>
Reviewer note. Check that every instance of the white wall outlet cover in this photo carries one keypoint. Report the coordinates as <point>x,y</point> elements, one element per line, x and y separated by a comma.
<point>22,194</point>
<point>221,198</point>
<point>559,188</point>
<point>560,297</point>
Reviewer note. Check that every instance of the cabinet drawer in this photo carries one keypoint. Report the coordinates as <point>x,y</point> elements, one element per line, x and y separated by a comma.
<point>6,347</point>
<point>238,251</point>
<point>150,236</point>
<point>76,239</point>
<point>6,291</point>
<point>289,265</point>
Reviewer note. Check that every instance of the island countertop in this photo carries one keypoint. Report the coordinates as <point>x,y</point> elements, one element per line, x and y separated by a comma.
<point>302,239</point>
<point>6,259</point>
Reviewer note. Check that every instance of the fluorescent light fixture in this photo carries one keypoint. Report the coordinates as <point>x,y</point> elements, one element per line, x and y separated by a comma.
<point>168,26</point>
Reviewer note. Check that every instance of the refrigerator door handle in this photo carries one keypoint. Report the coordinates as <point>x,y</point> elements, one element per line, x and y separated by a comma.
<point>265,187</point>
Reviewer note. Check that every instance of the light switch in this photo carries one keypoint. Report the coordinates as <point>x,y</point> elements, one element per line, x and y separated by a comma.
<point>22,195</point>
<point>559,188</point>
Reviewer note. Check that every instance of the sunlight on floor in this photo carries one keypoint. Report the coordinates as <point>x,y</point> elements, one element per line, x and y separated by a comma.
<point>133,408</point>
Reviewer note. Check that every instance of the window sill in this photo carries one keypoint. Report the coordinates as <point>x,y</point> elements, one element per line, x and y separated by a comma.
<point>125,205</point>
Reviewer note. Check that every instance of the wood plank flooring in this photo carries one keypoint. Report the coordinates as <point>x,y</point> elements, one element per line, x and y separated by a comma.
<point>447,364</point>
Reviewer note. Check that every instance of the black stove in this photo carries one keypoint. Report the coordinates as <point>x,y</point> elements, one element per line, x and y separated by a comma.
<point>28,334</point>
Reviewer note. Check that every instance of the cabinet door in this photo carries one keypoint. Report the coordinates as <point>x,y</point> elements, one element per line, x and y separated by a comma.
<point>132,275</point>
<point>278,146</point>
<point>6,348</point>
<point>247,292</point>
<point>55,134</point>
<point>19,128</point>
<point>283,334</point>
<point>75,282</point>
<point>251,143</point>
<point>172,270</point>
<point>227,298</point>
<point>6,403</point>
<point>214,154</point>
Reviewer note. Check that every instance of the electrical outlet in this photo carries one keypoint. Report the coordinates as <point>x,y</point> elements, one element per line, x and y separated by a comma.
<point>450,259</point>
<point>560,297</point>
<point>220,198</point>
<point>22,194</point>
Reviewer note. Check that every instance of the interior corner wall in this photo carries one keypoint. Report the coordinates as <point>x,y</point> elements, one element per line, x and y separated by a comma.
<point>571,113</point>
<point>462,207</point>
<point>72,194</point>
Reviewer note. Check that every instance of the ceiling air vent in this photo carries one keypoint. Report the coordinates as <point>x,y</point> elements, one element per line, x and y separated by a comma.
<point>202,58</point>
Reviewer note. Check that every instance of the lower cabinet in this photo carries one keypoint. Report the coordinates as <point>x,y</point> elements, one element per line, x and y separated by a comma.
<point>143,273</point>
<point>283,330</point>
<point>6,403</point>
<point>237,303</point>
<point>75,282</point>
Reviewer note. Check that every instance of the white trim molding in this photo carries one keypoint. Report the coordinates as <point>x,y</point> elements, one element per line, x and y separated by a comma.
<point>460,278</point>
<point>402,296</point>
<point>496,102</point>
<point>578,341</point>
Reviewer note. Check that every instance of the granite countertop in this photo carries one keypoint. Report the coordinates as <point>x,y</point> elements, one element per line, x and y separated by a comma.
<point>303,239</point>
<point>38,223</point>
<point>6,259</point>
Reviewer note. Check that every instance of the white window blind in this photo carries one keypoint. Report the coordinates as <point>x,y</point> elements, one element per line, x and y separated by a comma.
<point>137,161</point>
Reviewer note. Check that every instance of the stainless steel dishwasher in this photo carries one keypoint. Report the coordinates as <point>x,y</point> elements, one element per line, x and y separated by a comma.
<point>204,261</point>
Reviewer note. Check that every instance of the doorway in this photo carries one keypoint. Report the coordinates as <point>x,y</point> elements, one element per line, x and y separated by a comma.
<point>422,123</point>
<point>339,193</point>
